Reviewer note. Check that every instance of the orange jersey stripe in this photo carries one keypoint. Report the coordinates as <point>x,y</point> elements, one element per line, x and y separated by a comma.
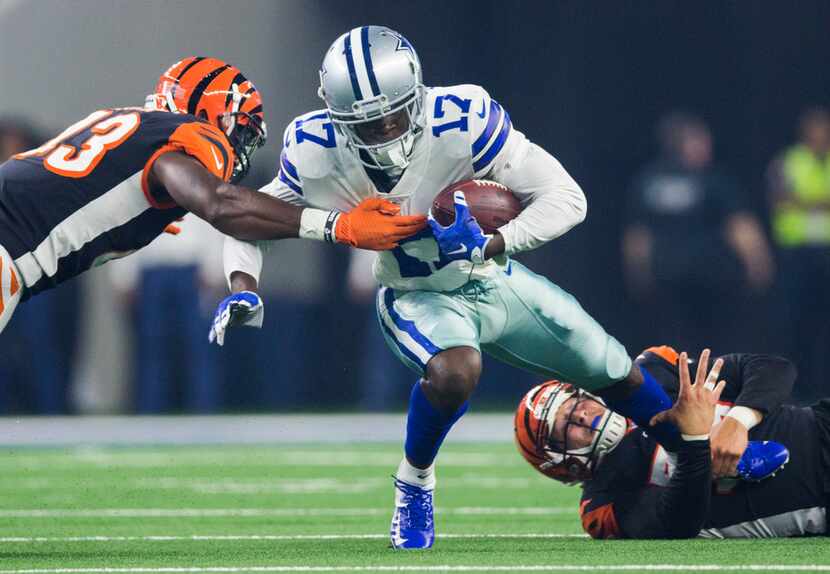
<point>15,285</point>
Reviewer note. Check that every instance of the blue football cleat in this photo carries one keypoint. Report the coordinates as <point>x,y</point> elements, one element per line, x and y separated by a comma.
<point>413,526</point>
<point>762,459</point>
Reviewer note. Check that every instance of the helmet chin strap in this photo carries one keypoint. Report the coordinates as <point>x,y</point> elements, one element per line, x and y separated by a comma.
<point>398,154</point>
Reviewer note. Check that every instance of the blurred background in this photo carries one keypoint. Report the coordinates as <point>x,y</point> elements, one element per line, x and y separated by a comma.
<point>699,132</point>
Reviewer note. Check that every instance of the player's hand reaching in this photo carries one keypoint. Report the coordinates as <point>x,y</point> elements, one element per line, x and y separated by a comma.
<point>728,443</point>
<point>463,240</point>
<point>243,308</point>
<point>694,410</point>
<point>375,224</point>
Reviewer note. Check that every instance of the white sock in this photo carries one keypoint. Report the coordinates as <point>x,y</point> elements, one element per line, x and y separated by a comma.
<point>423,477</point>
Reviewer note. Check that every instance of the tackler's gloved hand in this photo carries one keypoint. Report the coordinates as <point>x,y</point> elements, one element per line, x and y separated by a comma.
<point>243,308</point>
<point>463,240</point>
<point>375,224</point>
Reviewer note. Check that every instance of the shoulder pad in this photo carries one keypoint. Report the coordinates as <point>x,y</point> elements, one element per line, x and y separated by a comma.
<point>469,110</point>
<point>663,354</point>
<point>468,91</point>
<point>310,145</point>
<point>490,127</point>
<point>207,144</point>
<point>449,113</point>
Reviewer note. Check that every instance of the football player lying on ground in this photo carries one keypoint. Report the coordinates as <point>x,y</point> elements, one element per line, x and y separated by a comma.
<point>447,295</point>
<point>633,489</point>
<point>111,183</point>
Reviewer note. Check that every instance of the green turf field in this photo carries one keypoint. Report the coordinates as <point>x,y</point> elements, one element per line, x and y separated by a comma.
<point>319,508</point>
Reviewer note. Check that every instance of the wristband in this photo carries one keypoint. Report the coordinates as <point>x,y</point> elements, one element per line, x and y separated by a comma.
<point>331,222</point>
<point>746,416</point>
<point>693,437</point>
<point>313,223</point>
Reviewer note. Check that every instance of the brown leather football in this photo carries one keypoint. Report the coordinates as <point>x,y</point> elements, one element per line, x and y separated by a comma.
<point>491,203</point>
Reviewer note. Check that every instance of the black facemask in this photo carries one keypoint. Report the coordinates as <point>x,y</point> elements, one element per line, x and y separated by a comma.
<point>246,139</point>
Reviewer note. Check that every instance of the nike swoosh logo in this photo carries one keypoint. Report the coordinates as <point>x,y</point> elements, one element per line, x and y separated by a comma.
<point>219,162</point>
<point>483,111</point>
<point>460,250</point>
<point>423,476</point>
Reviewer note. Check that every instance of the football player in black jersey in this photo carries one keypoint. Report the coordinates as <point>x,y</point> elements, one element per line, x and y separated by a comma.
<point>633,488</point>
<point>111,183</point>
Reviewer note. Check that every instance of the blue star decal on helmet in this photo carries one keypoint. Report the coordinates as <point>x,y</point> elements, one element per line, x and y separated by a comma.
<point>403,44</point>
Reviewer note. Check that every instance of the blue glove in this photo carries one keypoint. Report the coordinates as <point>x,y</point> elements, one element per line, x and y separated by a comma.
<point>463,240</point>
<point>243,308</point>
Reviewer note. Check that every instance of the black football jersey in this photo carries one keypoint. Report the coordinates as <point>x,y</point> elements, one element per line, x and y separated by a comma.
<point>83,198</point>
<point>636,482</point>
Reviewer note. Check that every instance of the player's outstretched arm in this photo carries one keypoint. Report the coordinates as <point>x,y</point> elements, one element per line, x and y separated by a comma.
<point>248,215</point>
<point>233,210</point>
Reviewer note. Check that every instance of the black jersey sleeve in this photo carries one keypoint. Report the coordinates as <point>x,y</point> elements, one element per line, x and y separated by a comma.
<point>761,382</point>
<point>678,510</point>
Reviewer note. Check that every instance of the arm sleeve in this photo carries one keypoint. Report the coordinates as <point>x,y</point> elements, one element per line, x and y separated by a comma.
<point>552,201</point>
<point>247,256</point>
<point>760,382</point>
<point>678,510</point>
<point>241,256</point>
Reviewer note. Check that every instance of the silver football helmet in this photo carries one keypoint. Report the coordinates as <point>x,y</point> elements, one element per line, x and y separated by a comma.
<point>372,85</point>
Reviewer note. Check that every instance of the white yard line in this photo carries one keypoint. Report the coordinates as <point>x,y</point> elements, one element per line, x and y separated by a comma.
<point>268,537</point>
<point>312,485</point>
<point>97,457</point>
<point>441,568</point>
<point>298,485</point>
<point>270,512</point>
<point>308,485</point>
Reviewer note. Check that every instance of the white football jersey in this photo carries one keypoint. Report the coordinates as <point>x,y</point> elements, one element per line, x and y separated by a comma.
<point>465,132</point>
<point>466,135</point>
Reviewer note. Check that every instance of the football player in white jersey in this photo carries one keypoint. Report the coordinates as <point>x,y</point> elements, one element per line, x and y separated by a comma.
<point>445,293</point>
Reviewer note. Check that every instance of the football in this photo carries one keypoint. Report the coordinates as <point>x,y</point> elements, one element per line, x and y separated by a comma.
<point>491,203</point>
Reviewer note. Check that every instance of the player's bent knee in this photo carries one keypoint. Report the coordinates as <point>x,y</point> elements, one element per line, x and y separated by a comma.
<point>452,375</point>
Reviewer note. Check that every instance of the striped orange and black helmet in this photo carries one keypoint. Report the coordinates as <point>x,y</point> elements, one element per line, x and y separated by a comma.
<point>217,92</point>
<point>532,426</point>
<point>558,458</point>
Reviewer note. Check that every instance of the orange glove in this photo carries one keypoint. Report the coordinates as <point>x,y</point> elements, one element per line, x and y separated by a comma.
<point>375,224</point>
<point>172,228</point>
